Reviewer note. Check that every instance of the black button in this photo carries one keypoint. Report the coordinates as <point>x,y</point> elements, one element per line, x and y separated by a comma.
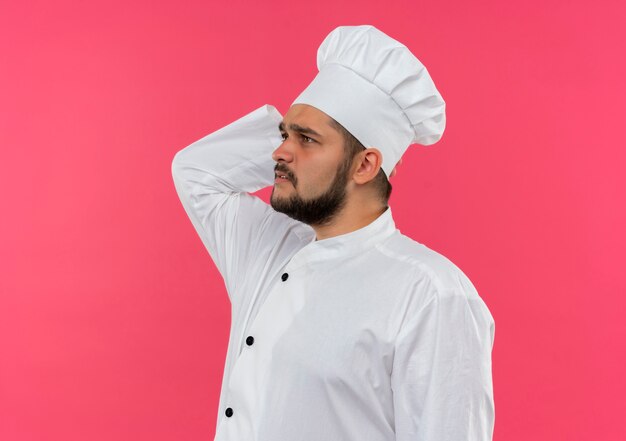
<point>249,340</point>
<point>229,412</point>
<point>285,276</point>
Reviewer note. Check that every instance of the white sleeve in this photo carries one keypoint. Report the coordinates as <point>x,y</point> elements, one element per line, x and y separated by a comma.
<point>213,176</point>
<point>441,378</point>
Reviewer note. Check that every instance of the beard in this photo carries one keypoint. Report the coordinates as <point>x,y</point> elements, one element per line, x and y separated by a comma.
<point>319,210</point>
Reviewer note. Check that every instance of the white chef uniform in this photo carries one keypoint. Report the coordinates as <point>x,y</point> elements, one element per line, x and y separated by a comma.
<point>365,336</point>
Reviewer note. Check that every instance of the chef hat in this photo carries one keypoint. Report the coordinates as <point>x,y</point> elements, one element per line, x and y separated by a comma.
<point>378,90</point>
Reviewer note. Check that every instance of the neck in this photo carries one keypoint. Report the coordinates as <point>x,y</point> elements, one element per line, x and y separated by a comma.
<point>352,217</point>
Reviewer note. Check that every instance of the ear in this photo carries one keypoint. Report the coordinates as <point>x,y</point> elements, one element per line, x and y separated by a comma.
<point>369,162</point>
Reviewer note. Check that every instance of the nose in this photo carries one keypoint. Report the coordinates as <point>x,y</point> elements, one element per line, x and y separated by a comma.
<point>283,152</point>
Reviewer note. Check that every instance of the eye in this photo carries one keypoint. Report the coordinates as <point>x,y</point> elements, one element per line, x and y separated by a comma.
<point>307,139</point>
<point>283,135</point>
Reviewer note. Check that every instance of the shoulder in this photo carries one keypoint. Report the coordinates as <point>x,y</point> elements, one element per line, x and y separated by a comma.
<point>423,263</point>
<point>436,283</point>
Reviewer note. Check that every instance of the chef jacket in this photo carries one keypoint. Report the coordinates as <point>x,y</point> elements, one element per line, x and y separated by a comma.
<point>364,336</point>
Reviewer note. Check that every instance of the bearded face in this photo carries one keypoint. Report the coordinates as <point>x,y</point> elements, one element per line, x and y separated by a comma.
<point>318,209</point>
<point>311,172</point>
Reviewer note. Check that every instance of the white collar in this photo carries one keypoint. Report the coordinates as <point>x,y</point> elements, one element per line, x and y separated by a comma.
<point>345,244</point>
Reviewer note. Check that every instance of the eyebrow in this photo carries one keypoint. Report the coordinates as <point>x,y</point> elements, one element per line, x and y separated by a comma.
<point>298,128</point>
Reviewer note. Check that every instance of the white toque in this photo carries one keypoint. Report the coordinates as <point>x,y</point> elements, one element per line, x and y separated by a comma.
<point>378,90</point>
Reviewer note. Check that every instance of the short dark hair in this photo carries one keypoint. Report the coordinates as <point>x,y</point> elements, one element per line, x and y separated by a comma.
<point>352,147</point>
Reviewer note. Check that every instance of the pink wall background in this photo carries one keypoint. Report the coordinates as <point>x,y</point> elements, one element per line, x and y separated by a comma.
<point>114,320</point>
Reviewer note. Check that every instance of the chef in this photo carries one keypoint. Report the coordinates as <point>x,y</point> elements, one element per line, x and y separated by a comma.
<point>342,328</point>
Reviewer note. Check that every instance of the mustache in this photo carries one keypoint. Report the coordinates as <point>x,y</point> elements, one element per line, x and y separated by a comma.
<point>283,169</point>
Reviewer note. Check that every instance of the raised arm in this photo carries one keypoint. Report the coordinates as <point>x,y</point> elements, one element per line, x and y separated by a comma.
<point>213,176</point>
